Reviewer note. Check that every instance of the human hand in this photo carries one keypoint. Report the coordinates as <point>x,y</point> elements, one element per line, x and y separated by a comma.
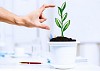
<point>35,18</point>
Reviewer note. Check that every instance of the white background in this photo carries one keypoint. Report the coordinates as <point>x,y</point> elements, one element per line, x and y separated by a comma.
<point>84,16</point>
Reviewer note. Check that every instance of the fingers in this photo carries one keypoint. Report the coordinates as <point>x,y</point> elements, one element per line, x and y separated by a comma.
<point>38,25</point>
<point>46,6</point>
<point>43,26</point>
<point>42,18</point>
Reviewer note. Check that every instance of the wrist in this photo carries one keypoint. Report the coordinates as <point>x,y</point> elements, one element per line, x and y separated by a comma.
<point>18,21</point>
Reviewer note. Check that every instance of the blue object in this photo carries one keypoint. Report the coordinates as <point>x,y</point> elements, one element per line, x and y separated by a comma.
<point>51,36</point>
<point>48,61</point>
<point>2,54</point>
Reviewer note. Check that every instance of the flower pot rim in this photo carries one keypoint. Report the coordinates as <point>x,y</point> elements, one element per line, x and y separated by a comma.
<point>64,42</point>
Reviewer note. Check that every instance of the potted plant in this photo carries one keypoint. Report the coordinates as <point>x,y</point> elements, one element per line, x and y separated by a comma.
<point>63,24</point>
<point>63,49</point>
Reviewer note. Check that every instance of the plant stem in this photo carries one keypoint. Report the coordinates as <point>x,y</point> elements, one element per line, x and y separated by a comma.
<point>62,33</point>
<point>62,27</point>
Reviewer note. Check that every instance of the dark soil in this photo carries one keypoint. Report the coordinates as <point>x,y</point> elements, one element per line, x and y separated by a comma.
<point>62,39</point>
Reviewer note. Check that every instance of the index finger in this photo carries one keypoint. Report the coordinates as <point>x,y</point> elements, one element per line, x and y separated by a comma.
<point>46,6</point>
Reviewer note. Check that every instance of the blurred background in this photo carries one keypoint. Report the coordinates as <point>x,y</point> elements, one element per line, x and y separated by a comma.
<point>85,27</point>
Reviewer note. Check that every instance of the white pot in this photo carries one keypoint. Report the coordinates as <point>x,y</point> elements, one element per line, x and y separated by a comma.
<point>63,54</point>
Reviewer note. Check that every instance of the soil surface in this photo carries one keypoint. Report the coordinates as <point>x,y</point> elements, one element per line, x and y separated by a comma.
<point>62,39</point>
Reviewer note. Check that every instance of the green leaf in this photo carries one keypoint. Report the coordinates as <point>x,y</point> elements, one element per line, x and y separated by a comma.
<point>64,17</point>
<point>58,23</point>
<point>59,11</point>
<point>63,6</point>
<point>66,25</point>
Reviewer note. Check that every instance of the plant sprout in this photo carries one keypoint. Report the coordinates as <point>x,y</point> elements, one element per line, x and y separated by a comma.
<point>63,16</point>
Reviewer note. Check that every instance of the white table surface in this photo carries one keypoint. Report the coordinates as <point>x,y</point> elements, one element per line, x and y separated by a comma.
<point>13,65</point>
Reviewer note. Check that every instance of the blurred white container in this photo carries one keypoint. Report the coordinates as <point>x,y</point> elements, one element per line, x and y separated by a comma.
<point>63,54</point>
<point>23,50</point>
